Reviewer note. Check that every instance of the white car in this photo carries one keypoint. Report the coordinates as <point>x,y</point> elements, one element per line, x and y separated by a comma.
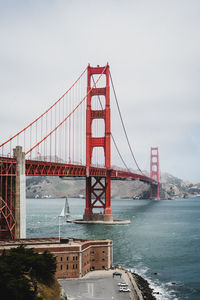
<point>122,284</point>
<point>124,289</point>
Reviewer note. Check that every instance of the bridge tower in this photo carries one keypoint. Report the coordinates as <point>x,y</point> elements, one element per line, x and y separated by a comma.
<point>154,173</point>
<point>98,189</point>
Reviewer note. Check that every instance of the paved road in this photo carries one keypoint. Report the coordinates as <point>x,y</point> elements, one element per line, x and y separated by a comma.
<point>97,285</point>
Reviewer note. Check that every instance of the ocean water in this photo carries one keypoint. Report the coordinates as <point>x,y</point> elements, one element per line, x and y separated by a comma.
<point>163,238</point>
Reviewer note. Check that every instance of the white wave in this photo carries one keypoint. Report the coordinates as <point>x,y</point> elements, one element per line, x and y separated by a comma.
<point>157,286</point>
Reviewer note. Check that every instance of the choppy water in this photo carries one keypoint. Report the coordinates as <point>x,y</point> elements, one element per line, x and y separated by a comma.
<point>163,238</point>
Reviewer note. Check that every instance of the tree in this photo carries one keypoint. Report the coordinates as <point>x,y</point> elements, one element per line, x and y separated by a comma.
<point>20,270</point>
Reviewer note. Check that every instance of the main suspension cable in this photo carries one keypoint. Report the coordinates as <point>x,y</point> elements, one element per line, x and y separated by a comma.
<point>125,132</point>
<point>50,108</point>
<point>71,113</point>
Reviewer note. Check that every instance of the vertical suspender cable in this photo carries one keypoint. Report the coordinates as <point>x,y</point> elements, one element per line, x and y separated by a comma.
<point>70,132</point>
<point>10,149</point>
<point>36,134</point>
<point>24,141</point>
<point>41,133</point>
<point>55,135</point>
<point>64,131</point>
<point>59,132</point>
<point>30,140</point>
<point>50,135</point>
<point>73,126</point>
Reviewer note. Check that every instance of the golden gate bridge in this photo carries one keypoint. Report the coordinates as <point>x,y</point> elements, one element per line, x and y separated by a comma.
<point>72,138</point>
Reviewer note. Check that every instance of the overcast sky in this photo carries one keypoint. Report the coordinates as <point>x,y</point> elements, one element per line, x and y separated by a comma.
<point>153,48</point>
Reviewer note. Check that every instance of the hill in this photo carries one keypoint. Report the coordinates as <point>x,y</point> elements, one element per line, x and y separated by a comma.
<point>56,187</point>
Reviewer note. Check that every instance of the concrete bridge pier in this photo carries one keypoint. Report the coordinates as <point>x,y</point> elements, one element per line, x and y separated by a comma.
<point>20,206</point>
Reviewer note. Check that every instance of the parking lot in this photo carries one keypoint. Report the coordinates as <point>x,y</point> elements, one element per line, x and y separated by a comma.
<point>97,285</point>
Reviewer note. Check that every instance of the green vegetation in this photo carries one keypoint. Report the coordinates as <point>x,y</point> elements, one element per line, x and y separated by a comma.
<point>21,269</point>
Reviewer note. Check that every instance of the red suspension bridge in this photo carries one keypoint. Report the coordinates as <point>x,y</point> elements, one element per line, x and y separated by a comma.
<point>72,138</point>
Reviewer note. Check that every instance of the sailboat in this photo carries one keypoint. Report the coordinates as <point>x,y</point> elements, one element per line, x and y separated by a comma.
<point>65,211</point>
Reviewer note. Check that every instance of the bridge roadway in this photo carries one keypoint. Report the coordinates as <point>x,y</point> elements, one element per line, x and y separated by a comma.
<point>44,168</point>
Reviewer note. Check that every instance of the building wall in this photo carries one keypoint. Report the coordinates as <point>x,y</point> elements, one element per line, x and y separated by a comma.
<point>76,259</point>
<point>99,258</point>
<point>67,265</point>
<point>93,257</point>
<point>86,261</point>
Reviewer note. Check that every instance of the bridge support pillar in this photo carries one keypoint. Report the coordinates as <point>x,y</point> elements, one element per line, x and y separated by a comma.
<point>154,173</point>
<point>88,208</point>
<point>107,209</point>
<point>20,216</point>
<point>98,196</point>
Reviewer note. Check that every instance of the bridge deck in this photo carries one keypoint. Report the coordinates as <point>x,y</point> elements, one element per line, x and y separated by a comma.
<point>44,168</point>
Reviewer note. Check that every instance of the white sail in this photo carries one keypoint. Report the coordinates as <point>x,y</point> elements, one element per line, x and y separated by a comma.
<point>65,210</point>
<point>62,214</point>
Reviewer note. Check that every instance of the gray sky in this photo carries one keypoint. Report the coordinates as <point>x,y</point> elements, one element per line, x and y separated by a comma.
<point>153,48</point>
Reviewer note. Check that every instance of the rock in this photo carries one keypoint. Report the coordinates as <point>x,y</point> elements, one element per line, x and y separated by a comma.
<point>143,285</point>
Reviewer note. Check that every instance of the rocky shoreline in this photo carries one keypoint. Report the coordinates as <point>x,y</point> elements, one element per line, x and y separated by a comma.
<point>140,285</point>
<point>143,285</point>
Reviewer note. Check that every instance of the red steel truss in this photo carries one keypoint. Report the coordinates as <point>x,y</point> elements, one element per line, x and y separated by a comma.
<point>7,198</point>
<point>44,168</point>
<point>7,221</point>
